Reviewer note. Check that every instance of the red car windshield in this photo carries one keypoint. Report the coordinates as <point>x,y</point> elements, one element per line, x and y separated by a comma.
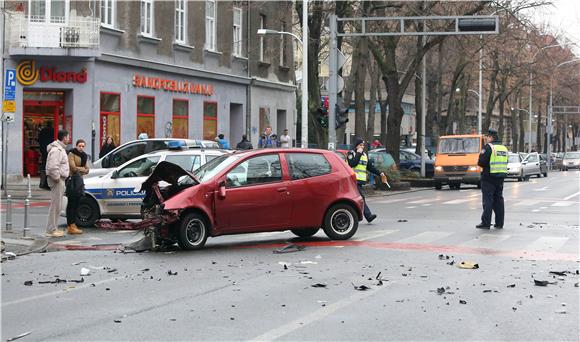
<point>215,166</point>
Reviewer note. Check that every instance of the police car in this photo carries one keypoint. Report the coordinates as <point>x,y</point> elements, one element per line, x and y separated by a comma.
<point>114,194</point>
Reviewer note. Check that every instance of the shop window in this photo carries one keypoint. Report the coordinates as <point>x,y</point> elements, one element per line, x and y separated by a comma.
<point>209,120</point>
<point>110,117</point>
<point>210,27</point>
<point>180,118</point>
<point>146,115</point>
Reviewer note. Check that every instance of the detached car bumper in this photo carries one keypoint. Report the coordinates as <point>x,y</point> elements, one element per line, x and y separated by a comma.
<point>468,178</point>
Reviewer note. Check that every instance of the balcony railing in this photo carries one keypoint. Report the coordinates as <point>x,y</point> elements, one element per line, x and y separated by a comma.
<point>36,32</point>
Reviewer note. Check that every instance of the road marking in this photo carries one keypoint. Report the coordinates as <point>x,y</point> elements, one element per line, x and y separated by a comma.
<point>394,200</point>
<point>379,234</point>
<point>573,195</point>
<point>562,204</point>
<point>426,205</point>
<point>425,237</point>
<point>547,243</point>
<point>458,201</point>
<point>486,239</point>
<point>411,207</point>
<point>317,315</point>
<point>541,189</point>
<point>423,201</point>
<point>526,203</point>
<point>535,210</point>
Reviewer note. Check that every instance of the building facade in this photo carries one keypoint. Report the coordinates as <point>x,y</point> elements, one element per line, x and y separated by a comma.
<point>188,69</point>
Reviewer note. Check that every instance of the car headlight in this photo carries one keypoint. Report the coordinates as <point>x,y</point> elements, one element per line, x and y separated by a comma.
<point>438,168</point>
<point>473,169</point>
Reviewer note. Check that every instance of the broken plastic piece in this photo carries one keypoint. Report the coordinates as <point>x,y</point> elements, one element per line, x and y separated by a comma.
<point>291,248</point>
<point>361,287</point>
<point>85,271</point>
<point>28,283</point>
<point>461,301</point>
<point>318,285</point>
<point>19,336</point>
<point>543,282</point>
<point>512,285</point>
<point>171,273</point>
<point>468,265</point>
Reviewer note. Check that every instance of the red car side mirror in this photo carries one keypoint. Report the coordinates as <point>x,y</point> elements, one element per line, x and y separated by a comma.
<point>222,190</point>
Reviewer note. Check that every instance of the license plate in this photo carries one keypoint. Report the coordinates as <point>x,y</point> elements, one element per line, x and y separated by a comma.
<point>454,178</point>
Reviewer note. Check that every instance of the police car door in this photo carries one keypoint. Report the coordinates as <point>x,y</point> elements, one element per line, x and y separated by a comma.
<point>119,193</point>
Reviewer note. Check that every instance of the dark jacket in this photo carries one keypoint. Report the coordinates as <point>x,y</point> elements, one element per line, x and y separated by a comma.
<point>106,148</point>
<point>244,145</point>
<point>353,158</point>
<point>484,158</point>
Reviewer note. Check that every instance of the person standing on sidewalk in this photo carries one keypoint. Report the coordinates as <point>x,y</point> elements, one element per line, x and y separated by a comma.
<point>77,161</point>
<point>358,160</point>
<point>285,139</point>
<point>57,170</point>
<point>493,159</point>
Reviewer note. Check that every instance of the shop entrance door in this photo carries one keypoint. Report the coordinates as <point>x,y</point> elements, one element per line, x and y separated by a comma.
<point>43,117</point>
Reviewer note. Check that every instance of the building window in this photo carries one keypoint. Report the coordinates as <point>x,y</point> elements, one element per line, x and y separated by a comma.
<point>146,115</point>
<point>110,117</point>
<point>108,13</point>
<point>49,11</point>
<point>283,61</point>
<point>209,120</point>
<point>147,17</point>
<point>262,39</point>
<point>180,21</point>
<point>237,31</point>
<point>210,28</point>
<point>180,118</point>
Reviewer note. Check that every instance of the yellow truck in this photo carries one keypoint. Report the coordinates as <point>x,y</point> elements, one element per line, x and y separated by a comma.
<point>456,161</point>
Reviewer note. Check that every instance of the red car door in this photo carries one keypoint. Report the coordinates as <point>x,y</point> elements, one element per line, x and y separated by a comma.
<point>257,198</point>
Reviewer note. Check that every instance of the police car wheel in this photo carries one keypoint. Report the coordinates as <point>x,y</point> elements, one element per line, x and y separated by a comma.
<point>340,222</point>
<point>193,232</point>
<point>87,212</point>
<point>304,233</point>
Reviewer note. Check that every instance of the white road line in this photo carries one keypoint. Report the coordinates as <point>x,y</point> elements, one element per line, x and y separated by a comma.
<point>426,205</point>
<point>547,243</point>
<point>545,188</point>
<point>562,204</point>
<point>411,207</point>
<point>425,237</point>
<point>423,201</point>
<point>394,200</point>
<point>317,315</point>
<point>526,203</point>
<point>543,207</point>
<point>458,201</point>
<point>378,234</point>
<point>486,240</point>
<point>573,195</point>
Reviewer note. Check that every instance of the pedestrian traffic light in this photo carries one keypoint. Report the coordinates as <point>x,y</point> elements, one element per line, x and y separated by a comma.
<point>323,116</point>
<point>477,25</point>
<point>341,115</point>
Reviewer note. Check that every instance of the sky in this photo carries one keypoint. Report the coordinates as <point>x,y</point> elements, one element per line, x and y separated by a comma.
<point>564,16</point>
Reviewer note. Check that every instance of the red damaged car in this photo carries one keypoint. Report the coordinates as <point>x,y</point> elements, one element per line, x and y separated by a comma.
<point>301,190</point>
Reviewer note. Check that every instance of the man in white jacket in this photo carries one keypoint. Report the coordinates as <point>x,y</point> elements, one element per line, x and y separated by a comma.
<point>57,170</point>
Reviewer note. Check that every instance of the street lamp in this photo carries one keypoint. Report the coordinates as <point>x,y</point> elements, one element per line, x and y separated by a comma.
<point>457,90</point>
<point>550,108</point>
<point>304,45</point>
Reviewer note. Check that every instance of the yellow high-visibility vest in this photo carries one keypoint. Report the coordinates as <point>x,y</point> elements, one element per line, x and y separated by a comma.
<point>361,169</point>
<point>499,160</point>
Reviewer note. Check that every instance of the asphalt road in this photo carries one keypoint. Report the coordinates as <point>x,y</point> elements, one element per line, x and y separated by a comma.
<point>238,289</point>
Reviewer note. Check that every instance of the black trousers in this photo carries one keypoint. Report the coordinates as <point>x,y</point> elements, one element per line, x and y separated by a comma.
<point>492,200</point>
<point>366,212</point>
<point>71,209</point>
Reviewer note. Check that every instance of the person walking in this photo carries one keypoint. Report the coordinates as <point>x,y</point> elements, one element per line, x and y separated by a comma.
<point>223,142</point>
<point>245,144</point>
<point>358,160</point>
<point>57,170</point>
<point>285,140</point>
<point>107,147</point>
<point>45,137</point>
<point>493,159</point>
<point>267,140</point>
<point>77,161</point>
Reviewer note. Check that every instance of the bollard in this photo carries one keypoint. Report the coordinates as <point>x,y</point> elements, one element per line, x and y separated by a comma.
<point>24,231</point>
<point>29,188</point>
<point>9,213</point>
<point>26,207</point>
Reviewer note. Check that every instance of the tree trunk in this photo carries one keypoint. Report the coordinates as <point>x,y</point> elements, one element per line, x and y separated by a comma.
<point>522,143</point>
<point>360,57</point>
<point>514,127</point>
<point>539,128</point>
<point>491,96</point>
<point>418,113</point>
<point>463,103</point>
<point>439,126</point>
<point>375,81</point>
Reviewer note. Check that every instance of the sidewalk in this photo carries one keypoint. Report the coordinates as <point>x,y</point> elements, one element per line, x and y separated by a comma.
<point>19,190</point>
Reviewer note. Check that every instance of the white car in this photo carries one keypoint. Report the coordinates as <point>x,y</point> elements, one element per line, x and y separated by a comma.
<point>135,148</point>
<point>116,194</point>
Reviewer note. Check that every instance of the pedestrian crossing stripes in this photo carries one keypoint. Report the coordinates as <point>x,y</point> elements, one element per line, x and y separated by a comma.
<point>426,237</point>
<point>562,204</point>
<point>538,204</point>
<point>485,240</point>
<point>547,244</point>
<point>459,201</point>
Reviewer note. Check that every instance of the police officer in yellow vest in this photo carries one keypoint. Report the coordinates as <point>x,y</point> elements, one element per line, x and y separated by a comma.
<point>493,159</point>
<point>360,163</point>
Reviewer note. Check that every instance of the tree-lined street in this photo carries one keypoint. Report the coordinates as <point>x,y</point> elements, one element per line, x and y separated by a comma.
<point>237,288</point>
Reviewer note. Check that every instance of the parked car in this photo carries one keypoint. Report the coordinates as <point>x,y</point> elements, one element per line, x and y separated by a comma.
<point>301,190</point>
<point>515,167</point>
<point>571,160</point>
<point>135,148</point>
<point>558,161</point>
<point>116,194</point>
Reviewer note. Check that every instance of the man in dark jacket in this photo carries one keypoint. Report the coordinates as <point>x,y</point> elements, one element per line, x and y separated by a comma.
<point>360,163</point>
<point>45,138</point>
<point>245,144</point>
<point>493,160</point>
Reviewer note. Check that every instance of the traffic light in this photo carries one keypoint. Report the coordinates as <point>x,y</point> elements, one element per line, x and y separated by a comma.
<point>341,114</point>
<point>323,116</point>
<point>477,25</point>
